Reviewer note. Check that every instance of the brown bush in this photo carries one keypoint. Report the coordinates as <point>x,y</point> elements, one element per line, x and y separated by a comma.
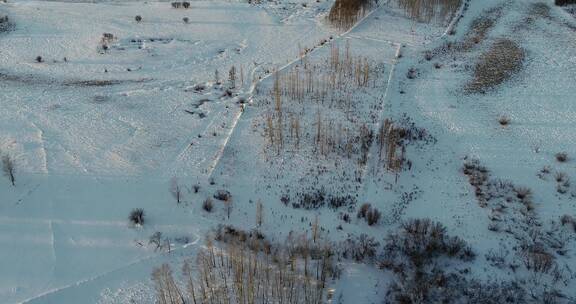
<point>562,157</point>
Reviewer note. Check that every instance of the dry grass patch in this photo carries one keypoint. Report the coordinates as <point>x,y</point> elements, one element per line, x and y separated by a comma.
<point>497,65</point>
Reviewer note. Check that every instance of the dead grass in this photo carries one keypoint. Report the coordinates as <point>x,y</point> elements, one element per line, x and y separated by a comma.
<point>497,65</point>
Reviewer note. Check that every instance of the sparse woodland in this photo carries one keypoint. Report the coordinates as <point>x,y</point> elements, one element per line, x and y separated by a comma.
<point>243,267</point>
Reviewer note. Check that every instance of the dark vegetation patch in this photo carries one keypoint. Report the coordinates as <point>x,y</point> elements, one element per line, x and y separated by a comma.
<point>6,24</point>
<point>497,65</point>
<point>319,198</point>
<point>564,2</point>
<point>477,33</point>
<point>101,83</point>
<point>419,254</point>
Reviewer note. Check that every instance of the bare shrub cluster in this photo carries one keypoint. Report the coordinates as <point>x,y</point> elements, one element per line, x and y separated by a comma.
<point>414,254</point>
<point>564,2</point>
<point>511,210</point>
<point>184,4</point>
<point>5,24</point>
<point>369,213</point>
<point>495,194</point>
<point>430,10</point>
<point>359,249</point>
<point>319,198</point>
<point>345,13</point>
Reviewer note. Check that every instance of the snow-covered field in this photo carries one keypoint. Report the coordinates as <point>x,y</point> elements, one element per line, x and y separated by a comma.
<point>96,133</point>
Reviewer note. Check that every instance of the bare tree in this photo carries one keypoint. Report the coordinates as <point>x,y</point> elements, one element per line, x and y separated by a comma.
<point>176,190</point>
<point>315,229</point>
<point>167,292</point>
<point>259,214</point>
<point>228,206</point>
<point>9,168</point>
<point>156,239</point>
<point>187,272</point>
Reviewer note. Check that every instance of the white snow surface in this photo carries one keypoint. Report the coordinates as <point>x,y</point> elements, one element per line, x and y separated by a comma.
<point>101,133</point>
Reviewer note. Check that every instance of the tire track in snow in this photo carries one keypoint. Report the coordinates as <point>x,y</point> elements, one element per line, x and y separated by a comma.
<point>103,276</point>
<point>43,152</point>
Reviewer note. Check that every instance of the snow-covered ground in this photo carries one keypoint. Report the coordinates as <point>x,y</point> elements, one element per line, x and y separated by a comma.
<point>96,133</point>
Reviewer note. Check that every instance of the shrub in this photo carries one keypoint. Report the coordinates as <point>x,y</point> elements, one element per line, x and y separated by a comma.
<point>9,168</point>
<point>564,2</point>
<point>186,4</point>
<point>560,177</point>
<point>137,216</point>
<point>412,253</point>
<point>208,205</point>
<point>346,218</point>
<point>138,18</point>
<point>504,120</point>
<point>373,216</point>
<point>186,19</point>
<point>363,210</point>
<point>523,193</point>
<point>568,220</point>
<point>412,73</point>
<point>222,195</point>
<point>562,157</point>
<point>39,59</point>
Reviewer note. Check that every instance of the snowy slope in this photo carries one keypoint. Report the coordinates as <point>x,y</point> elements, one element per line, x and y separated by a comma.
<point>102,133</point>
